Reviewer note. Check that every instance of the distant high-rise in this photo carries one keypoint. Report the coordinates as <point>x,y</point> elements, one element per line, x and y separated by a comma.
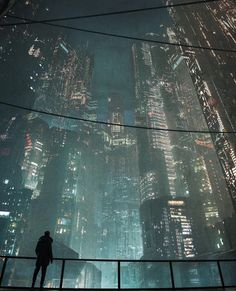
<point>121,233</point>
<point>167,228</point>
<point>14,199</point>
<point>212,73</point>
<point>64,85</point>
<point>174,165</point>
<point>162,223</point>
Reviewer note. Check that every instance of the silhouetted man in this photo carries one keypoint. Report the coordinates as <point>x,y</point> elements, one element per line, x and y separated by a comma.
<point>44,257</point>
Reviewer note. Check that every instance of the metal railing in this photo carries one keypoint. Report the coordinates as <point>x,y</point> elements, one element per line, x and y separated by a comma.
<point>16,272</point>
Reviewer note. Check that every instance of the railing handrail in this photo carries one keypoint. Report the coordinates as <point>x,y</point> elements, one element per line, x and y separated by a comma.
<point>171,264</point>
<point>124,260</point>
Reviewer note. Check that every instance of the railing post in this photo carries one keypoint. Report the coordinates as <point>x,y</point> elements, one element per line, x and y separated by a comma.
<point>3,270</point>
<point>118,275</point>
<point>62,274</point>
<point>221,275</point>
<point>172,276</point>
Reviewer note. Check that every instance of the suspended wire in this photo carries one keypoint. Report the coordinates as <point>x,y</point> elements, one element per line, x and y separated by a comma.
<point>126,36</point>
<point>48,22</point>
<point>119,12</point>
<point>112,123</point>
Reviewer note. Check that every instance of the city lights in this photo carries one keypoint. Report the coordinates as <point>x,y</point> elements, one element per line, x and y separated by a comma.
<point>123,148</point>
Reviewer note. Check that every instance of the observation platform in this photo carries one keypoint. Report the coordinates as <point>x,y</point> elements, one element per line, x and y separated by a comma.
<point>97,274</point>
<point>37,289</point>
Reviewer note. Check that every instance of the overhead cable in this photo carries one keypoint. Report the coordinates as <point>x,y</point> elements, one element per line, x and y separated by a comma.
<point>112,123</point>
<point>127,37</point>
<point>120,12</point>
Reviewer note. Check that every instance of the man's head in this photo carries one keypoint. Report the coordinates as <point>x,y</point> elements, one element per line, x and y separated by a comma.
<point>47,233</point>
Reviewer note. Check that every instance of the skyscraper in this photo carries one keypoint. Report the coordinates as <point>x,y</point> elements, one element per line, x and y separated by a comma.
<point>121,235</point>
<point>160,190</point>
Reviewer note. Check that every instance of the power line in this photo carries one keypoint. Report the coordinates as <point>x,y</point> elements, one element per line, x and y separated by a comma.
<point>126,36</point>
<point>112,123</point>
<point>120,12</point>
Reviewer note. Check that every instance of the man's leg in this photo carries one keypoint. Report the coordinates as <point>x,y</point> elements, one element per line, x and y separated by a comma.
<point>36,270</point>
<point>43,269</point>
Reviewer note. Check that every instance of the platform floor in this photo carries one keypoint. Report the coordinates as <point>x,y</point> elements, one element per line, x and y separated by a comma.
<point>203,289</point>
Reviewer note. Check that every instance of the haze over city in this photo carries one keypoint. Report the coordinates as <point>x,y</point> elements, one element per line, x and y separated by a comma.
<point>153,176</point>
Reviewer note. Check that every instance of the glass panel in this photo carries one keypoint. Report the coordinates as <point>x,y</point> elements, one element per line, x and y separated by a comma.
<point>19,273</point>
<point>196,274</point>
<point>177,209</point>
<point>53,275</point>
<point>152,191</point>
<point>1,264</point>
<point>228,272</point>
<point>90,7</point>
<point>82,274</point>
<point>145,275</point>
